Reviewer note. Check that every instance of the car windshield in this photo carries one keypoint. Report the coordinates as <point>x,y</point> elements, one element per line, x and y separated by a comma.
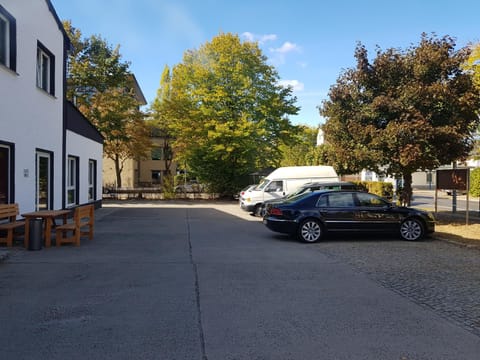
<point>262,184</point>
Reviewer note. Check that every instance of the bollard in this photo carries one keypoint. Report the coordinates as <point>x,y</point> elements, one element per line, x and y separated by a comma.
<point>35,237</point>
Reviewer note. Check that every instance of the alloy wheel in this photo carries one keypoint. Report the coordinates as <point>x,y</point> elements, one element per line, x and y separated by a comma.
<point>310,231</point>
<point>411,229</point>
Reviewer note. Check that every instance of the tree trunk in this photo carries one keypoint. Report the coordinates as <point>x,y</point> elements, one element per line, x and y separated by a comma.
<point>118,172</point>
<point>407,189</point>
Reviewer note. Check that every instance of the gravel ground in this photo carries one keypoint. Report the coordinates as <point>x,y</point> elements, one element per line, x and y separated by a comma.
<point>437,275</point>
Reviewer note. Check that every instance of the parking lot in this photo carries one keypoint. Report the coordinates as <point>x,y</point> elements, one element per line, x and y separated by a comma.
<point>206,280</point>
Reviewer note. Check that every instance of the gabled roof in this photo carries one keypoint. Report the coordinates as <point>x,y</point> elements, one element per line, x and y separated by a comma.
<point>80,125</point>
<point>59,23</point>
<point>138,92</point>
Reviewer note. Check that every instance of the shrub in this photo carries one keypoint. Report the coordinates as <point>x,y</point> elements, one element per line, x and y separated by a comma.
<point>380,188</point>
<point>475,182</point>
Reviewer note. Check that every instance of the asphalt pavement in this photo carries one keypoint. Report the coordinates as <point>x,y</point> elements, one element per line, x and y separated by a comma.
<point>205,280</point>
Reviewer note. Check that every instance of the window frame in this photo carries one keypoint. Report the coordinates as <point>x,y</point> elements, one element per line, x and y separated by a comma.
<point>10,39</point>
<point>92,180</point>
<point>156,179</point>
<point>371,200</point>
<point>8,176</point>
<point>72,180</point>
<point>339,200</point>
<point>46,155</point>
<point>45,78</point>
<point>157,153</point>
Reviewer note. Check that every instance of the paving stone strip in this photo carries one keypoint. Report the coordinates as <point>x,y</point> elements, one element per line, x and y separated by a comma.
<point>437,275</point>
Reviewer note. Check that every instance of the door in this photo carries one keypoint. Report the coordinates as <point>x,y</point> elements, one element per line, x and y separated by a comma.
<point>274,190</point>
<point>338,211</point>
<point>376,214</point>
<point>43,194</point>
<point>4,174</point>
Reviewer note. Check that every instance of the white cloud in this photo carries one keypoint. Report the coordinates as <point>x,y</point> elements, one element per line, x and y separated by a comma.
<point>261,39</point>
<point>249,36</point>
<point>295,84</point>
<point>278,54</point>
<point>286,48</point>
<point>268,37</point>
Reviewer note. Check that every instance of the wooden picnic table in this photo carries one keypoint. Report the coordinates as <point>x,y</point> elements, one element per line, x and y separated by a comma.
<point>48,218</point>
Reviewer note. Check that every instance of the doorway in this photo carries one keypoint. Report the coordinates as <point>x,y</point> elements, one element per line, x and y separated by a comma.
<point>5,174</point>
<point>43,196</point>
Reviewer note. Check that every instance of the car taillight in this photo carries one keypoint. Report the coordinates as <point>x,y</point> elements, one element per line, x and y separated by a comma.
<point>276,211</point>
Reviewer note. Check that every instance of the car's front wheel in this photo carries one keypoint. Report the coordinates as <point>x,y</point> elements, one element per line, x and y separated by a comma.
<point>412,230</point>
<point>310,231</point>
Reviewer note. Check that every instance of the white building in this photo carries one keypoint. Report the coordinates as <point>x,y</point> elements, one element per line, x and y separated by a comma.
<point>50,155</point>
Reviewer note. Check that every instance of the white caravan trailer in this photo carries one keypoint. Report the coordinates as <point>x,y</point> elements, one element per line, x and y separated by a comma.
<point>284,181</point>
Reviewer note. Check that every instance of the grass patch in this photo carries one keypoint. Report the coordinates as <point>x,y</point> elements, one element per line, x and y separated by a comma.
<point>453,227</point>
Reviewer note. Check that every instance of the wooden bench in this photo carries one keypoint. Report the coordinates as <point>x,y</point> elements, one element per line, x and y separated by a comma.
<point>83,217</point>
<point>9,212</point>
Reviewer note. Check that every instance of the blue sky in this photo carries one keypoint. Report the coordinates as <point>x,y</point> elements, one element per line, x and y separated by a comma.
<point>309,42</point>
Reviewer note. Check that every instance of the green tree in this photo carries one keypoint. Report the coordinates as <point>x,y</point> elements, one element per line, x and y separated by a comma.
<point>116,115</point>
<point>227,112</point>
<point>473,64</point>
<point>100,84</point>
<point>404,111</point>
<point>302,149</point>
<point>159,125</point>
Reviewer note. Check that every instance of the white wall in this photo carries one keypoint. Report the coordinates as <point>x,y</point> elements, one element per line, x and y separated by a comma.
<point>29,117</point>
<point>85,150</point>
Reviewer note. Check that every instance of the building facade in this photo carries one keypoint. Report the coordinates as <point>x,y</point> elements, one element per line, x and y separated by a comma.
<point>50,155</point>
<point>149,172</point>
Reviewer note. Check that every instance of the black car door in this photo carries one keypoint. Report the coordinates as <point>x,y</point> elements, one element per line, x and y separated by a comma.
<point>375,213</point>
<point>337,210</point>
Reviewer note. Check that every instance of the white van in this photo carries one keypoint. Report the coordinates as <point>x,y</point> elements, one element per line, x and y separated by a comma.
<point>284,181</point>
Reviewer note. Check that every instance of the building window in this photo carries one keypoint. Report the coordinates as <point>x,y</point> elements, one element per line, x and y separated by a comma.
<point>72,181</point>
<point>92,179</point>
<point>8,48</point>
<point>45,69</point>
<point>156,177</point>
<point>157,153</point>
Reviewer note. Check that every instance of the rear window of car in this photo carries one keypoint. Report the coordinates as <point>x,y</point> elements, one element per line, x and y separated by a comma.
<point>296,198</point>
<point>339,199</point>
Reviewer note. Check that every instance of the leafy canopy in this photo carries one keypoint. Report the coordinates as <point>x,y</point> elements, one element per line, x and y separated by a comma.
<point>303,149</point>
<point>100,84</point>
<point>403,111</point>
<point>226,111</point>
<point>473,64</point>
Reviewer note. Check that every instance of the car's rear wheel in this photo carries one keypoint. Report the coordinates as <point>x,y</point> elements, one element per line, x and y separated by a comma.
<point>257,210</point>
<point>262,211</point>
<point>310,231</point>
<point>412,230</point>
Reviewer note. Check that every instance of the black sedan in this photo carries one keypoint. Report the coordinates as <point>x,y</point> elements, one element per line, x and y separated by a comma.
<point>311,215</point>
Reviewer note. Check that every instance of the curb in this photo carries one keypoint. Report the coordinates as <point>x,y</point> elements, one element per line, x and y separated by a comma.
<point>467,245</point>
